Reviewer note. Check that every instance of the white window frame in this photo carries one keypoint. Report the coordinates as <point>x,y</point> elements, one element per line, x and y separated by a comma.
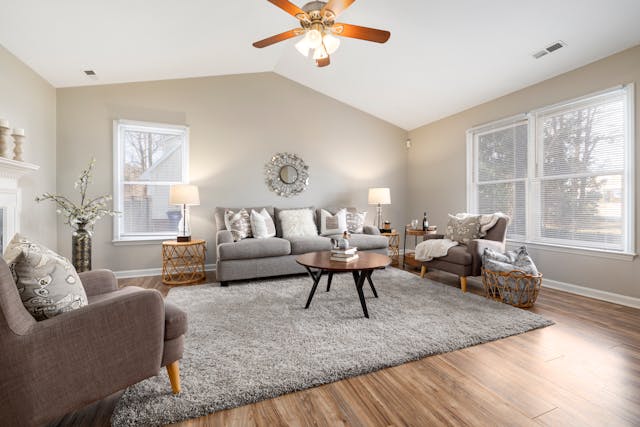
<point>535,145</point>
<point>119,126</point>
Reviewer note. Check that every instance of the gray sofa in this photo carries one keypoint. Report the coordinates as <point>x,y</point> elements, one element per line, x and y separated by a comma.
<point>252,258</point>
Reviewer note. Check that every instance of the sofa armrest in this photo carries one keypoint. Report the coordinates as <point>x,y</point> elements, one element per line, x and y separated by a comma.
<point>224,236</point>
<point>98,282</point>
<point>477,247</point>
<point>80,356</point>
<point>370,229</point>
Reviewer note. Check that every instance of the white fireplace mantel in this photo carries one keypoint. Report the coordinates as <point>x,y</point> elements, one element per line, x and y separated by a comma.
<point>10,196</point>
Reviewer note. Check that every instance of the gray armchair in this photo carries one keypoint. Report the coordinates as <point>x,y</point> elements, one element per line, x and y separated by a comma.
<point>466,260</point>
<point>58,365</point>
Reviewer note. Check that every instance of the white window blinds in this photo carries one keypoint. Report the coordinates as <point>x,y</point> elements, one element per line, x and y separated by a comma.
<point>501,166</point>
<point>562,173</point>
<point>581,171</point>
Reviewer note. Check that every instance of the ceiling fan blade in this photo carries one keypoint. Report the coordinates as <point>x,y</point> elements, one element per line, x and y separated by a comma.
<point>323,62</point>
<point>362,33</point>
<point>337,6</point>
<point>278,38</point>
<point>291,9</point>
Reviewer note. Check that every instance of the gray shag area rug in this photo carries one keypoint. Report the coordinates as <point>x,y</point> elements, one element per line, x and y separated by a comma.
<point>254,340</point>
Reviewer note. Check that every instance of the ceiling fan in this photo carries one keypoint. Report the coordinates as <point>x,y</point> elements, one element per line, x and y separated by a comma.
<point>317,24</point>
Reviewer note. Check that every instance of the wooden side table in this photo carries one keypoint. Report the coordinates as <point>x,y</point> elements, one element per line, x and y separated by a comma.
<point>409,258</point>
<point>394,243</point>
<point>183,262</point>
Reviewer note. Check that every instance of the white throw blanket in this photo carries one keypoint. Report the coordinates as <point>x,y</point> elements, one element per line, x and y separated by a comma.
<point>433,248</point>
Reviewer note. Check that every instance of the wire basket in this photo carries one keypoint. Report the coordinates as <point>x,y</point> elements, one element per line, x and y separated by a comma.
<point>514,287</point>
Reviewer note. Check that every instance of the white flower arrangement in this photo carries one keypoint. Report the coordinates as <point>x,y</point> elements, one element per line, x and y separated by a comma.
<point>88,211</point>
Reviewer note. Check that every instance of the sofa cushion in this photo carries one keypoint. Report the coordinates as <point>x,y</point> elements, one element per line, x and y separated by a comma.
<point>303,245</point>
<point>355,221</point>
<point>276,218</point>
<point>365,242</point>
<point>254,248</point>
<point>47,282</point>
<point>458,255</point>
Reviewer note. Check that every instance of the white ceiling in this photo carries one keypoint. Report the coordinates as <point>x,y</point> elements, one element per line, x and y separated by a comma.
<point>443,56</point>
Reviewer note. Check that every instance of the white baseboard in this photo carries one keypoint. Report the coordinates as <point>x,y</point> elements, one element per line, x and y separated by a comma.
<point>592,293</point>
<point>128,274</point>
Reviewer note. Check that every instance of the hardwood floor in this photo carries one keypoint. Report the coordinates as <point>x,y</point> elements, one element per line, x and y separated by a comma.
<point>582,371</point>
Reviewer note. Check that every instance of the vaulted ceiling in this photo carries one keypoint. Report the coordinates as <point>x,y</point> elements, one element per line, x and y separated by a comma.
<point>443,56</point>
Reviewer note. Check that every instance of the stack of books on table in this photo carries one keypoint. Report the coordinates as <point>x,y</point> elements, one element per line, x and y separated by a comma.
<point>344,255</point>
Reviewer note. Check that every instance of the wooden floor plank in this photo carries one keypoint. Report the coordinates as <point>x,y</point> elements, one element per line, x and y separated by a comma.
<point>583,371</point>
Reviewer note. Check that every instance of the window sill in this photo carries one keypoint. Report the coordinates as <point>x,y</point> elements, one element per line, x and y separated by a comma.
<point>598,253</point>
<point>141,240</point>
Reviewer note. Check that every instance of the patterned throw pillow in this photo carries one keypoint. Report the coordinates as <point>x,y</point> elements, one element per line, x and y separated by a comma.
<point>463,230</point>
<point>333,224</point>
<point>262,225</point>
<point>47,282</point>
<point>297,223</point>
<point>355,221</point>
<point>238,223</point>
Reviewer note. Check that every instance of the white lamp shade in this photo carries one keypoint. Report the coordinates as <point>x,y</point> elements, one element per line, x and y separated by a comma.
<point>320,53</point>
<point>184,194</point>
<point>379,196</point>
<point>303,46</point>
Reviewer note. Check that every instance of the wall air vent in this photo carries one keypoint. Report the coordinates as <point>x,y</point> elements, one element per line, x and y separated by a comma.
<point>549,49</point>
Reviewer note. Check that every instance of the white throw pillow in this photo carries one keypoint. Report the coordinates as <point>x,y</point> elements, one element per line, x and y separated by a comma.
<point>47,282</point>
<point>355,221</point>
<point>262,224</point>
<point>333,224</point>
<point>297,223</point>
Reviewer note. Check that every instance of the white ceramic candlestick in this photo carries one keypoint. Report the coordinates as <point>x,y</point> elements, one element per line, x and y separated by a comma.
<point>18,140</point>
<point>5,137</point>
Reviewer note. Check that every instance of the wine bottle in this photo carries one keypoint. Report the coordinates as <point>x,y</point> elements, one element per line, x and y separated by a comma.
<point>425,223</point>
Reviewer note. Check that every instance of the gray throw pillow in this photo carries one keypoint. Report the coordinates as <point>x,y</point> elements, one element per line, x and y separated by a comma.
<point>463,230</point>
<point>355,221</point>
<point>47,282</point>
<point>238,223</point>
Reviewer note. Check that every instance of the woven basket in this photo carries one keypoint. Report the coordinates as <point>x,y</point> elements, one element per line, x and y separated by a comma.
<point>513,287</point>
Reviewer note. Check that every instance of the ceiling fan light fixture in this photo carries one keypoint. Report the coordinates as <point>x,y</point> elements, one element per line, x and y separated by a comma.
<point>330,43</point>
<point>314,38</point>
<point>303,47</point>
<point>320,53</point>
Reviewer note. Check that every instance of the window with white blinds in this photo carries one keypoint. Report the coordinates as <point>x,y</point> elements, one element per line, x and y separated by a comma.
<point>148,159</point>
<point>564,174</point>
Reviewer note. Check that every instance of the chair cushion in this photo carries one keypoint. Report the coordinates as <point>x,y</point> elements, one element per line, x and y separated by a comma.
<point>47,283</point>
<point>303,245</point>
<point>175,321</point>
<point>254,248</point>
<point>365,242</point>
<point>458,255</point>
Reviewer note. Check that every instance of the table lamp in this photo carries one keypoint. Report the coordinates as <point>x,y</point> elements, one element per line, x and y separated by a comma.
<point>378,197</point>
<point>184,195</point>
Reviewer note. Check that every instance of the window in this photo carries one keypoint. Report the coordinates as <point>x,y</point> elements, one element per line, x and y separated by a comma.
<point>148,159</point>
<point>564,173</point>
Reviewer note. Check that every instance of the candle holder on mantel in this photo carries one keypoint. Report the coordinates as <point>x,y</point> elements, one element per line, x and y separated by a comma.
<point>18,140</point>
<point>5,137</point>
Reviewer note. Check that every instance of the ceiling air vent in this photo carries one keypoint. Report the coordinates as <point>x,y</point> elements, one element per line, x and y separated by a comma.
<point>549,49</point>
<point>91,74</point>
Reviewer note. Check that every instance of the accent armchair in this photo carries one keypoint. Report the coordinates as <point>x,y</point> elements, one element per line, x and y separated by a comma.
<point>466,260</point>
<point>58,365</point>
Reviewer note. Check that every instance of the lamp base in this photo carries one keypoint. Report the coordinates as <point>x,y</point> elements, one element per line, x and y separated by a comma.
<point>183,238</point>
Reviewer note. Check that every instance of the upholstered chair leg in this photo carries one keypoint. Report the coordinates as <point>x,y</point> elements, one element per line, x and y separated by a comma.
<point>173,369</point>
<point>463,283</point>
<point>423,271</point>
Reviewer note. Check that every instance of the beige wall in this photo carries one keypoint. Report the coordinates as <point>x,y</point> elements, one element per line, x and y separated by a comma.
<point>437,163</point>
<point>29,102</point>
<point>236,124</point>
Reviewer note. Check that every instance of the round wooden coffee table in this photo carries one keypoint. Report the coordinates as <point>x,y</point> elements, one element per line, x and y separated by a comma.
<point>317,263</point>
